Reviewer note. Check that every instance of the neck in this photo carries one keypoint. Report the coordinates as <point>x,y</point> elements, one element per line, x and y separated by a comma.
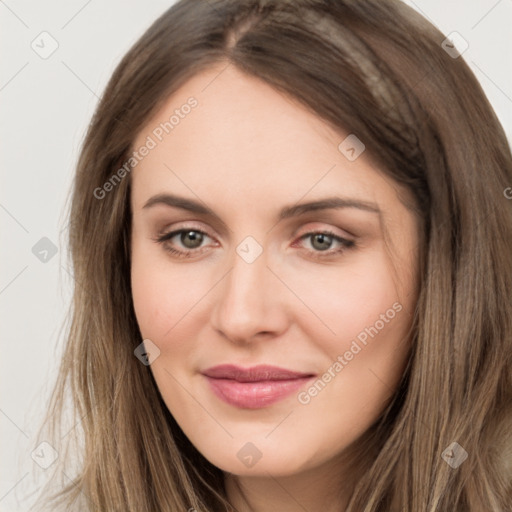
<point>324,489</point>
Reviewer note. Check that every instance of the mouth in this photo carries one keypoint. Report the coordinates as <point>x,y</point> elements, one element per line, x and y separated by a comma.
<point>256,387</point>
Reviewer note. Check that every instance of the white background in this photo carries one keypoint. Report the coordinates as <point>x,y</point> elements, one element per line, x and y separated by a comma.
<point>46,107</point>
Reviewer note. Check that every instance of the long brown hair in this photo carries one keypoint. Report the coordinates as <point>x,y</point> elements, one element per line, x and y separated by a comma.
<point>379,69</point>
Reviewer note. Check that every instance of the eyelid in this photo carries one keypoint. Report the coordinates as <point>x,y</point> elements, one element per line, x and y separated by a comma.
<point>169,228</point>
<point>323,227</point>
<point>298,233</point>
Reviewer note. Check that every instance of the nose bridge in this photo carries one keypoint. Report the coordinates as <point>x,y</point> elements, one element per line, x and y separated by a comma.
<point>247,303</point>
<point>245,287</point>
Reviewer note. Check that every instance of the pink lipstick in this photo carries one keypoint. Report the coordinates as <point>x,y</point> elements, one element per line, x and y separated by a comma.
<point>256,387</point>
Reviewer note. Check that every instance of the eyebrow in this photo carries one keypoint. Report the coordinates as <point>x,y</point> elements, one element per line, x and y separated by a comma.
<point>285,213</point>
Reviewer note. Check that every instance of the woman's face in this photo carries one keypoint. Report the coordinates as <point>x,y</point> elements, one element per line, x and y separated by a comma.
<point>257,273</point>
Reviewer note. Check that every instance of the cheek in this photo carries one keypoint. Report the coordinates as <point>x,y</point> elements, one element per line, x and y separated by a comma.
<point>163,293</point>
<point>344,301</point>
<point>361,322</point>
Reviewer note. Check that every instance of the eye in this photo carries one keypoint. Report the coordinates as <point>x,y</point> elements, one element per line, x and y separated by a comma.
<point>189,238</point>
<point>322,241</point>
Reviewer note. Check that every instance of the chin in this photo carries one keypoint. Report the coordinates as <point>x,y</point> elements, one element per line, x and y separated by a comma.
<point>252,459</point>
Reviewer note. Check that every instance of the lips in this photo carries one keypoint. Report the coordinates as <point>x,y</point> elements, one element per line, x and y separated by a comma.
<point>256,387</point>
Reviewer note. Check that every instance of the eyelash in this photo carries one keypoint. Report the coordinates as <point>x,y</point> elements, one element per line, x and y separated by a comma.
<point>162,239</point>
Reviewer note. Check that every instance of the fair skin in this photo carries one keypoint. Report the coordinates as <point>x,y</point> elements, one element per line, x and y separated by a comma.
<point>246,151</point>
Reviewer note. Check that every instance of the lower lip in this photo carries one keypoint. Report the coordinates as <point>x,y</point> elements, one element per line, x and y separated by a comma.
<point>254,395</point>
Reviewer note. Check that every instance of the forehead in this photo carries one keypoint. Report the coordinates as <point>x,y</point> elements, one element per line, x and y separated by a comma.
<point>224,132</point>
<point>231,106</point>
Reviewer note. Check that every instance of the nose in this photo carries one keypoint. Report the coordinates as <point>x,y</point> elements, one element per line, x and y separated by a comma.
<point>251,302</point>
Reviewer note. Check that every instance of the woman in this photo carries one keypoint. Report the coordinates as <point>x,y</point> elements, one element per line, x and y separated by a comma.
<point>292,248</point>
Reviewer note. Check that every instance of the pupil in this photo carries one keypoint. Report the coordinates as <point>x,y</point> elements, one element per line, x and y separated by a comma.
<point>322,239</point>
<point>193,236</point>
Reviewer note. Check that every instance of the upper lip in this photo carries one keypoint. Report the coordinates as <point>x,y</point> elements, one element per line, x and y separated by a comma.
<point>255,373</point>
